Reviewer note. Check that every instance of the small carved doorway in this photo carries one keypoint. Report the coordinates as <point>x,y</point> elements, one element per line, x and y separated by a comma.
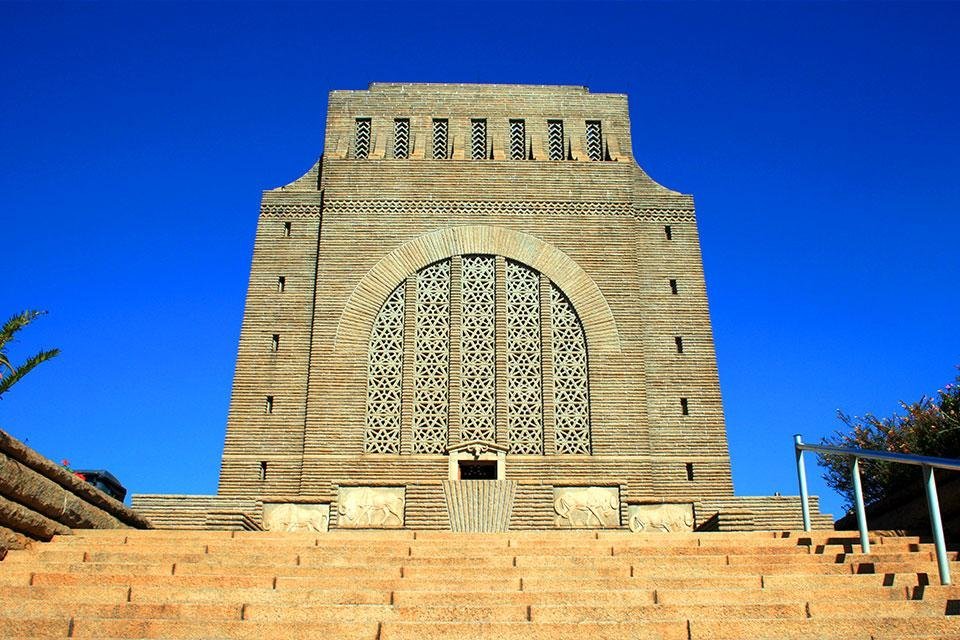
<point>478,469</point>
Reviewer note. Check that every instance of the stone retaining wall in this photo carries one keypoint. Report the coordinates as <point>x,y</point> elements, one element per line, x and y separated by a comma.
<point>40,499</point>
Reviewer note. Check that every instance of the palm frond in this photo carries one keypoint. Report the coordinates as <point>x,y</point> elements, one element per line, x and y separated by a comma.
<point>8,381</point>
<point>15,323</point>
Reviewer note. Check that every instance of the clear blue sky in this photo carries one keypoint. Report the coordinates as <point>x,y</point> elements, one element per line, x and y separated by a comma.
<point>821,142</point>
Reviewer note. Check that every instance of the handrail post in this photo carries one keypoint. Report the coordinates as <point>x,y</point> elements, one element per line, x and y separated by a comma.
<point>936,526</point>
<point>802,477</point>
<point>861,512</point>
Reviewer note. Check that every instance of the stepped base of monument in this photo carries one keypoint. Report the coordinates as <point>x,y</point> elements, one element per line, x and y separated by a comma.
<point>432,584</point>
<point>487,506</point>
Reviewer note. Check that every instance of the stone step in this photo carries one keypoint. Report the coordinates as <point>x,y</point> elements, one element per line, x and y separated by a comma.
<point>576,614</point>
<point>837,608</point>
<point>23,627</point>
<point>92,594</point>
<point>863,592</point>
<point>407,598</point>
<point>927,567</point>
<point>851,627</point>
<point>32,608</point>
<point>800,581</point>
<point>658,582</point>
<point>103,628</point>
<point>393,584</point>
<point>459,574</point>
<point>375,613</point>
<point>239,596</point>
<point>171,581</point>
<point>436,584</point>
<point>525,631</point>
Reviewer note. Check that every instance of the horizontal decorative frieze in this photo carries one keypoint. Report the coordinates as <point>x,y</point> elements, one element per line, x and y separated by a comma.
<point>515,207</point>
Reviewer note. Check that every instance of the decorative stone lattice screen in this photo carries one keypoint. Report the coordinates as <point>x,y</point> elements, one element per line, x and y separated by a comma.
<point>447,318</point>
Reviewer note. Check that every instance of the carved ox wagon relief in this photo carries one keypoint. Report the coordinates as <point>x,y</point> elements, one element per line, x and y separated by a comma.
<point>660,518</point>
<point>312,518</point>
<point>370,507</point>
<point>586,507</point>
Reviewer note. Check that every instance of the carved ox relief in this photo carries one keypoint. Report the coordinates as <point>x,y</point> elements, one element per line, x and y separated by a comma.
<point>586,507</point>
<point>312,518</point>
<point>660,518</point>
<point>370,507</point>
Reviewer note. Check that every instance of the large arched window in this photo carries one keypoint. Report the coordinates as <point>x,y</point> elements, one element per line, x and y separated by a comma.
<point>477,348</point>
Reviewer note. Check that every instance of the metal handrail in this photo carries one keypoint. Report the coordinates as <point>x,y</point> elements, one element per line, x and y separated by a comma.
<point>927,463</point>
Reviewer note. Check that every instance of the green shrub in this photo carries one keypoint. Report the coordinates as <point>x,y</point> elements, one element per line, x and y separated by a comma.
<point>929,427</point>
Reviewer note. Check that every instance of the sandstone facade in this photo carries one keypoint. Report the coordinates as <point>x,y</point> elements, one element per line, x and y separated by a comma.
<point>477,282</point>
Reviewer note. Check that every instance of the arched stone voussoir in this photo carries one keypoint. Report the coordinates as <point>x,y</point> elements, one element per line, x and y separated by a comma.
<point>353,329</point>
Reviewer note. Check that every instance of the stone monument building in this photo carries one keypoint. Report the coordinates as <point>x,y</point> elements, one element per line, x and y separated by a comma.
<point>476,311</point>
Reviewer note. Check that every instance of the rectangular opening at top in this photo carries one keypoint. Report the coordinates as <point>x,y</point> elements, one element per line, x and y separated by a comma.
<point>478,469</point>
<point>362,139</point>
<point>440,129</point>
<point>478,139</point>
<point>401,138</point>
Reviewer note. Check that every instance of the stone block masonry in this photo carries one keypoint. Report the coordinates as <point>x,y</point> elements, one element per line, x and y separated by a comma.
<point>476,283</point>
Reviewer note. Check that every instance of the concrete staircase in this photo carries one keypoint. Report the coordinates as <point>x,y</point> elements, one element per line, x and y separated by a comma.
<point>424,585</point>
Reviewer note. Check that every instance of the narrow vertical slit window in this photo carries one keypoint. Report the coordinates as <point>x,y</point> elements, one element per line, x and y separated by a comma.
<point>668,232</point>
<point>690,472</point>
<point>684,407</point>
<point>518,139</point>
<point>263,470</point>
<point>555,142</point>
<point>362,142</point>
<point>275,342</point>
<point>594,140</point>
<point>268,405</point>
<point>440,137</point>
<point>287,228</point>
<point>478,139</point>
<point>679,342</point>
<point>673,287</point>
<point>401,138</point>
<point>281,283</point>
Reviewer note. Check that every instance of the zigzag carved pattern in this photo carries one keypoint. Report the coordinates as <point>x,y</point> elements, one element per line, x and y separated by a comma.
<point>594,140</point>
<point>555,139</point>
<point>292,210</point>
<point>440,139</point>
<point>514,207</point>
<point>518,140</point>
<point>478,139</point>
<point>401,138</point>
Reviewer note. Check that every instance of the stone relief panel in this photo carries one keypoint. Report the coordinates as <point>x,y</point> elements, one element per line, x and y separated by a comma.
<point>660,518</point>
<point>586,507</point>
<point>370,507</point>
<point>313,518</point>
